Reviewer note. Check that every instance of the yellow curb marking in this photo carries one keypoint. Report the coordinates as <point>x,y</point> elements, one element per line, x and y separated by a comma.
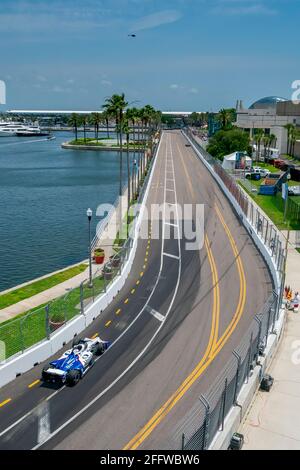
<point>5,402</point>
<point>34,383</point>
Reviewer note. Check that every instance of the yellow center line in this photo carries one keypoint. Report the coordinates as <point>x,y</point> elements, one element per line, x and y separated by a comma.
<point>213,348</point>
<point>5,402</point>
<point>171,402</point>
<point>137,283</point>
<point>108,323</point>
<point>126,301</point>
<point>133,291</point>
<point>34,383</point>
<point>95,335</point>
<point>118,311</point>
<point>144,267</point>
<point>142,274</point>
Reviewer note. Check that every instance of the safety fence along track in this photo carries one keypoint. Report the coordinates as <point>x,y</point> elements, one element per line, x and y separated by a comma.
<point>208,416</point>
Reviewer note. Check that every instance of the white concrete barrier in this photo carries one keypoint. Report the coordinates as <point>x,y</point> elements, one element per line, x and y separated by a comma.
<point>23,362</point>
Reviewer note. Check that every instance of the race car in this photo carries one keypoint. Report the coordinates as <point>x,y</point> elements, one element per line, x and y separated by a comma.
<point>75,362</point>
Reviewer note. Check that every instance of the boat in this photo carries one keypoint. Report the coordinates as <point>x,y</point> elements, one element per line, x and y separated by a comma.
<point>32,131</point>
<point>9,129</point>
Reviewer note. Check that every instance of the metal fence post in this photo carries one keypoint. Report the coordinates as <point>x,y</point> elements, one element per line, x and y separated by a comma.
<point>258,320</point>
<point>224,404</point>
<point>182,441</point>
<point>249,358</point>
<point>21,335</point>
<point>47,308</point>
<point>237,381</point>
<point>206,422</point>
<point>81,299</point>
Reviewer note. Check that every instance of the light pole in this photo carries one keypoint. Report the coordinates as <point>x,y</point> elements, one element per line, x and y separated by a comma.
<point>286,197</point>
<point>89,214</point>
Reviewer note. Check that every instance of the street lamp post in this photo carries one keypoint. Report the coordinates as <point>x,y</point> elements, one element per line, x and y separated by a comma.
<point>89,214</point>
<point>286,198</point>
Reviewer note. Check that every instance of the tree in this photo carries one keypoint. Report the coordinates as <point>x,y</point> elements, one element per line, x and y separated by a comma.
<point>226,142</point>
<point>84,120</point>
<point>115,106</point>
<point>226,117</point>
<point>95,120</point>
<point>289,128</point>
<point>257,139</point>
<point>106,117</point>
<point>74,122</point>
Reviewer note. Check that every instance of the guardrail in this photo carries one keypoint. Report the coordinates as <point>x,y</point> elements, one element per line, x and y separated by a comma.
<point>208,418</point>
<point>35,336</point>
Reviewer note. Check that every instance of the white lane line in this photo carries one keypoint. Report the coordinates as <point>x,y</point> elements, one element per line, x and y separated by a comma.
<point>171,256</point>
<point>171,224</point>
<point>43,422</point>
<point>155,314</point>
<point>145,348</point>
<point>171,190</point>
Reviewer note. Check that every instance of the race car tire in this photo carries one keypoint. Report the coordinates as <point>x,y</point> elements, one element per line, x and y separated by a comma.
<point>99,349</point>
<point>73,377</point>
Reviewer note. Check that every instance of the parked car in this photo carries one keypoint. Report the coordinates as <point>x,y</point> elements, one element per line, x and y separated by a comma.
<point>294,191</point>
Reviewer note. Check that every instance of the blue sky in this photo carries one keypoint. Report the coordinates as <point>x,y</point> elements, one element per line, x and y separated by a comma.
<point>188,54</point>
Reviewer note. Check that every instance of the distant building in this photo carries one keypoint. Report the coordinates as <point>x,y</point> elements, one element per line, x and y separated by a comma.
<point>270,114</point>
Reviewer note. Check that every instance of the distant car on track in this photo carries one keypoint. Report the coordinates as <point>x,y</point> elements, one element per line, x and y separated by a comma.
<point>75,362</point>
<point>188,145</point>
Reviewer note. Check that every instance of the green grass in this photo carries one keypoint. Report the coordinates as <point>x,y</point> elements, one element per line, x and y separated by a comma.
<point>29,328</point>
<point>88,141</point>
<point>298,249</point>
<point>271,168</point>
<point>34,288</point>
<point>273,206</point>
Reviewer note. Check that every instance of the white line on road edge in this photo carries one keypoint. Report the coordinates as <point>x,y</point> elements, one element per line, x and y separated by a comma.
<point>57,431</point>
<point>171,256</point>
<point>43,422</point>
<point>156,314</point>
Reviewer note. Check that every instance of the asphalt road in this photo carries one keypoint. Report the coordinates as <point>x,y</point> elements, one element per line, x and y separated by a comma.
<point>173,327</point>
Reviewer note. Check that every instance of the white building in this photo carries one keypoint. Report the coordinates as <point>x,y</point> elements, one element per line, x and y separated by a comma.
<point>270,114</point>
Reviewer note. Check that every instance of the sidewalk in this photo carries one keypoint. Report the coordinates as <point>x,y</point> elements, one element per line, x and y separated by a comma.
<point>45,296</point>
<point>273,421</point>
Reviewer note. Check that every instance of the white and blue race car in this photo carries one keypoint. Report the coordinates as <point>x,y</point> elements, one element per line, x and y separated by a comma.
<point>75,362</point>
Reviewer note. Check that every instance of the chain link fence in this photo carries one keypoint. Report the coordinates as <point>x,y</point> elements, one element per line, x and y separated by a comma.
<point>40,323</point>
<point>212,408</point>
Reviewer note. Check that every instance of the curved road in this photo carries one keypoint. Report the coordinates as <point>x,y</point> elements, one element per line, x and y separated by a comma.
<point>173,327</point>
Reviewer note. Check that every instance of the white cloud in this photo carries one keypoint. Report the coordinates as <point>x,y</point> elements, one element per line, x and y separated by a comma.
<point>156,19</point>
<point>174,86</point>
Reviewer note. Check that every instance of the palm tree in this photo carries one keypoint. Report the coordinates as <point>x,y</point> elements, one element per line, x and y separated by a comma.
<point>115,106</point>
<point>266,142</point>
<point>225,117</point>
<point>106,117</point>
<point>84,120</point>
<point>258,138</point>
<point>95,120</point>
<point>126,130</point>
<point>74,122</point>
<point>289,128</point>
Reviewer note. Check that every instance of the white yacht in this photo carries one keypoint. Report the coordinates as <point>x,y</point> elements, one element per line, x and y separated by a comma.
<point>9,129</point>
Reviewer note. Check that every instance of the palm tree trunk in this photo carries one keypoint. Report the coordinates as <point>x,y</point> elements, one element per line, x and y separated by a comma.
<point>128,174</point>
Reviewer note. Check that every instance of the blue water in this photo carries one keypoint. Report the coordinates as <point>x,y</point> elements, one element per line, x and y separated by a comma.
<point>44,194</point>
